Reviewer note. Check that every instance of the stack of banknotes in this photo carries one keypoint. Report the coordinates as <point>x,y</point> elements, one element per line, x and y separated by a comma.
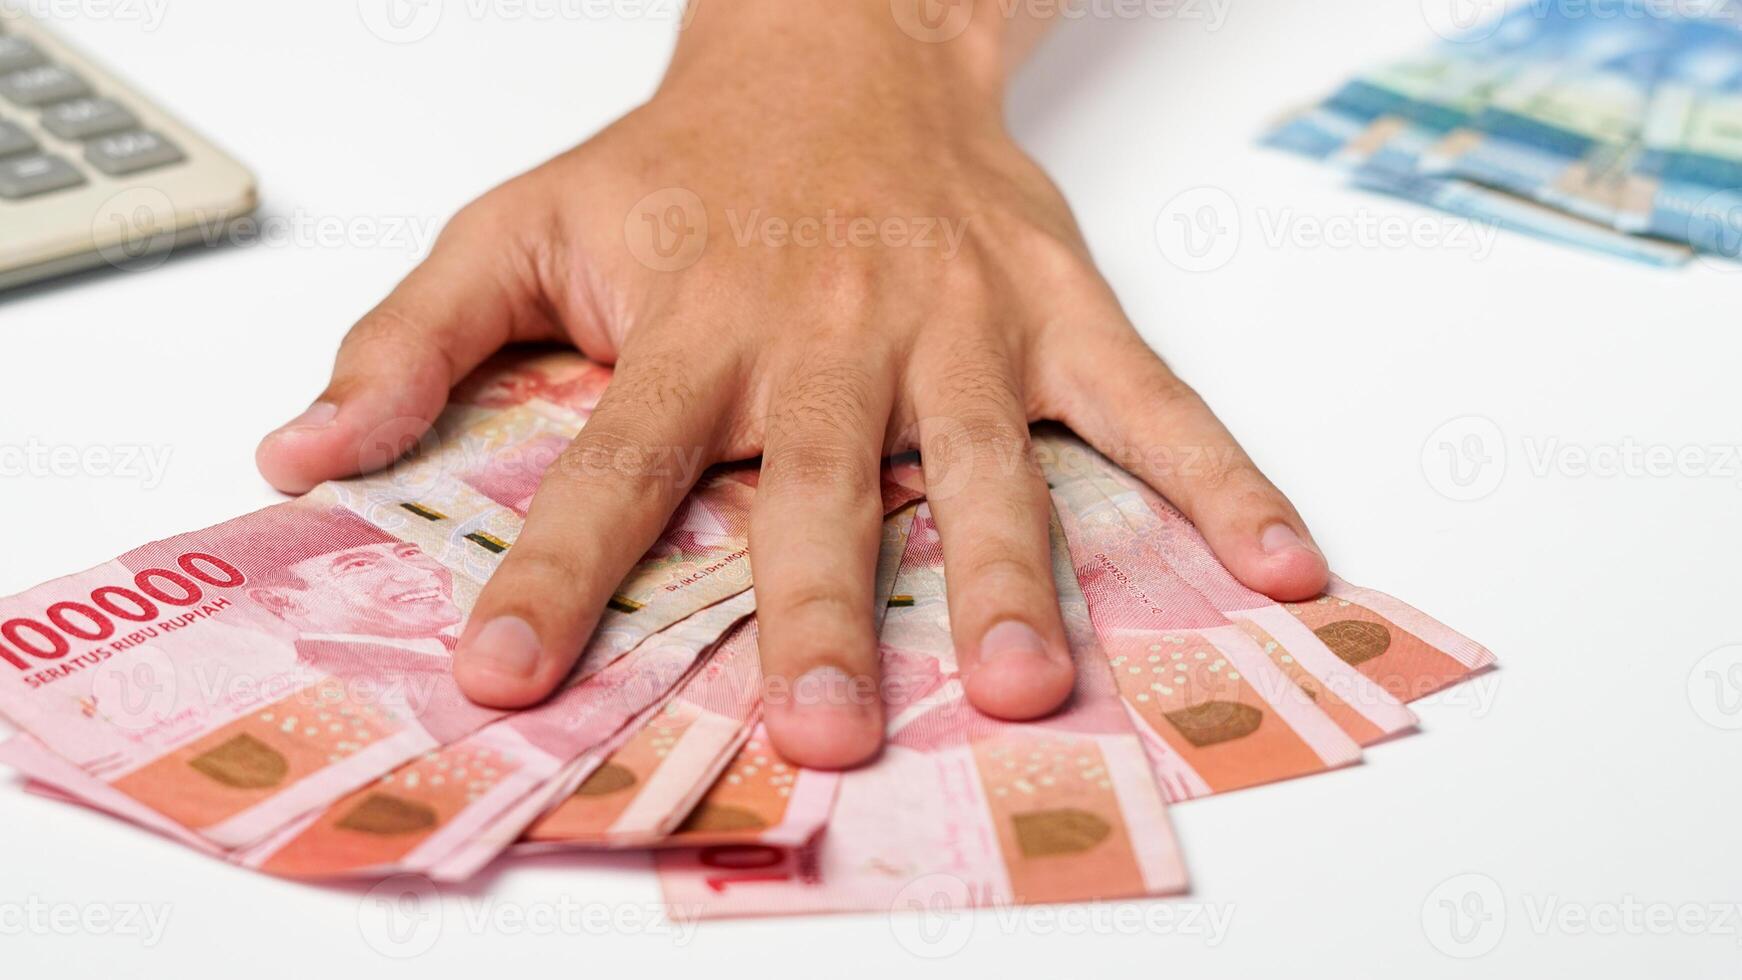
<point>1612,125</point>
<point>275,691</point>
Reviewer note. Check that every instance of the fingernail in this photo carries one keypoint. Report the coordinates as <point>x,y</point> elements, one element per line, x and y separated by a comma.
<point>828,690</point>
<point>1278,538</point>
<point>506,645</point>
<point>1011,640</point>
<point>314,417</point>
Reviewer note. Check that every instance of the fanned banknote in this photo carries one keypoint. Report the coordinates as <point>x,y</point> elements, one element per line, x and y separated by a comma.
<point>275,691</point>
<point>701,771</point>
<point>961,808</point>
<point>1362,708</point>
<point>235,678</point>
<point>1360,664</point>
<point>1215,711</point>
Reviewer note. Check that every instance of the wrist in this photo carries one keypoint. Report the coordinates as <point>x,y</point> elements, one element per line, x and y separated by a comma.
<point>951,55</point>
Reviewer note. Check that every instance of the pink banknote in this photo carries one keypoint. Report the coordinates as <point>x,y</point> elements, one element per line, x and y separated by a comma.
<point>960,807</point>
<point>1216,712</point>
<point>1357,664</point>
<point>699,764</point>
<point>421,814</point>
<point>235,678</point>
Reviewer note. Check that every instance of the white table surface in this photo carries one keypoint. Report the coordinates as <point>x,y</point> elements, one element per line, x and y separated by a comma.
<point>1592,783</point>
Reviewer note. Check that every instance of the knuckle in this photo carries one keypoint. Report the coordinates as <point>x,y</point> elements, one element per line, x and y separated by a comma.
<point>980,378</point>
<point>815,599</point>
<point>542,566</point>
<point>1002,567</point>
<point>654,383</point>
<point>993,436</point>
<point>1169,395</point>
<point>480,218</point>
<point>1061,259</point>
<point>830,399</point>
<point>818,465</point>
<point>1232,477</point>
<point>386,329</point>
<point>390,340</point>
<point>614,466</point>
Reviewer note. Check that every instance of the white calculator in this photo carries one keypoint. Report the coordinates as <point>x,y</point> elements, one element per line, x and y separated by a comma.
<point>91,172</point>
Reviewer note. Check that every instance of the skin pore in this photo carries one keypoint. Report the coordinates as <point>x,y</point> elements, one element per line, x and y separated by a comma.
<point>664,245</point>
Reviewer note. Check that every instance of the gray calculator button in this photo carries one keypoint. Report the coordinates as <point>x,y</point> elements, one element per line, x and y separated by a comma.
<point>82,119</point>
<point>42,85</point>
<point>131,152</point>
<point>14,140</point>
<point>22,177</point>
<point>16,53</point>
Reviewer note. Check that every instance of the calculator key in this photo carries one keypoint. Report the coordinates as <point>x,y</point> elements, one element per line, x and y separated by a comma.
<point>22,177</point>
<point>14,140</point>
<point>42,85</point>
<point>131,152</point>
<point>82,119</point>
<point>17,53</point>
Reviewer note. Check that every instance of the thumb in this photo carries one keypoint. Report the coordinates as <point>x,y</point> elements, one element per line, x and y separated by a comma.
<point>394,369</point>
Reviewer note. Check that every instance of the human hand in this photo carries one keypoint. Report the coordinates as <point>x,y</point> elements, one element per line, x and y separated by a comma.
<point>816,244</point>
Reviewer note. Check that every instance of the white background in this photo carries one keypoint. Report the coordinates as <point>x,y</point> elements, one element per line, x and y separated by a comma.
<point>1582,775</point>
